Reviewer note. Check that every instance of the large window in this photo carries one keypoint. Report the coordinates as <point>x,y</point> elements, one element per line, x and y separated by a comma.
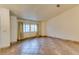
<point>33,27</point>
<point>29,27</point>
<point>26,28</point>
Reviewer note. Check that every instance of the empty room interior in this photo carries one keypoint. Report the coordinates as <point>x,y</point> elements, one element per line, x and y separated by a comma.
<point>39,29</point>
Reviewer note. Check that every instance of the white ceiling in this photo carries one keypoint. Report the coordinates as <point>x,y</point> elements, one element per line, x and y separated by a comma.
<point>37,11</point>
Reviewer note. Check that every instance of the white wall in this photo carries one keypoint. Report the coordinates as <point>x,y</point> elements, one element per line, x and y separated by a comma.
<point>65,25</point>
<point>43,28</point>
<point>4,28</point>
<point>14,28</point>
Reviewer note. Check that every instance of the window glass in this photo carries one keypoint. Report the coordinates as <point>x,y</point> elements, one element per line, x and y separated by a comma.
<point>29,27</point>
<point>33,27</point>
<point>26,27</point>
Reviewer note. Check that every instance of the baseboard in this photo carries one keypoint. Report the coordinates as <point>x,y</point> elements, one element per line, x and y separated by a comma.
<point>64,39</point>
<point>11,43</point>
<point>49,37</point>
<point>42,36</point>
<point>20,40</point>
<point>27,38</point>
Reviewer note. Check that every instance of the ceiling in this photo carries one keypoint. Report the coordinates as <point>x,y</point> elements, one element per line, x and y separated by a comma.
<point>37,11</point>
